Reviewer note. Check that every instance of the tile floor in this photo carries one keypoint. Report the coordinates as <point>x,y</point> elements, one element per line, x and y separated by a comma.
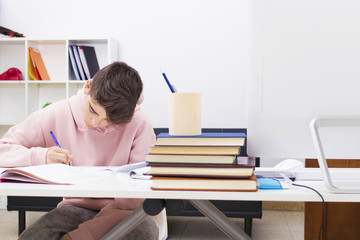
<point>274,225</point>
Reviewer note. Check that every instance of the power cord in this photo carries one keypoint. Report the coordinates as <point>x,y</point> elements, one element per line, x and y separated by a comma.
<point>323,206</point>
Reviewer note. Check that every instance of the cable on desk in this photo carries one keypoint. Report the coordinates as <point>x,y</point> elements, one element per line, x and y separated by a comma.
<point>323,205</point>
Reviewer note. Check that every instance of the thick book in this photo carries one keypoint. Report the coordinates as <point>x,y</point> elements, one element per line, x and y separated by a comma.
<point>205,139</point>
<point>200,161</point>
<point>39,63</point>
<point>73,64</point>
<point>89,60</point>
<point>204,184</point>
<point>193,159</point>
<point>191,150</point>
<point>208,172</point>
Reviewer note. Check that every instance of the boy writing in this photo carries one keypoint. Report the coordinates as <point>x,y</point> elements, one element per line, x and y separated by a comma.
<point>100,126</point>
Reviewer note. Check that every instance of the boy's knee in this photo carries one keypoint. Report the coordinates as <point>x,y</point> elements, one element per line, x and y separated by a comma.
<point>56,223</point>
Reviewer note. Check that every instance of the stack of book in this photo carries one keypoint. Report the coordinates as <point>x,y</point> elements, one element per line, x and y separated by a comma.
<point>208,162</point>
<point>83,61</point>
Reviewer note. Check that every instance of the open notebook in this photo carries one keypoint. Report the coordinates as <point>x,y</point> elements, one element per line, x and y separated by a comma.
<point>334,185</point>
<point>62,173</point>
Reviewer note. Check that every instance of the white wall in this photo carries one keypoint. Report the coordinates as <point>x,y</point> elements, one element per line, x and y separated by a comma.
<point>201,44</point>
<point>305,64</point>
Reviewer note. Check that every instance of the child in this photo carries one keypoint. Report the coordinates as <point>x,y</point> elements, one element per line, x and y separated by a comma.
<point>100,126</point>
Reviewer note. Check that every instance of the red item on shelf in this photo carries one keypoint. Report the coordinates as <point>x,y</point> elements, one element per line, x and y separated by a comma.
<point>12,74</point>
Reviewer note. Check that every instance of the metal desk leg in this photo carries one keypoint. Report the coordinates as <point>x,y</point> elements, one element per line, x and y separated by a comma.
<point>125,226</point>
<point>219,219</point>
<point>248,226</point>
<point>22,221</point>
<point>150,207</point>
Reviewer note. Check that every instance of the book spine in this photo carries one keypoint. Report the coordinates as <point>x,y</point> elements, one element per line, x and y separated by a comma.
<point>78,62</point>
<point>73,63</point>
<point>84,62</point>
<point>34,65</point>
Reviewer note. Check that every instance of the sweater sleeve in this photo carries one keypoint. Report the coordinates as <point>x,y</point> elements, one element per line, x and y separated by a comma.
<point>23,144</point>
<point>144,139</point>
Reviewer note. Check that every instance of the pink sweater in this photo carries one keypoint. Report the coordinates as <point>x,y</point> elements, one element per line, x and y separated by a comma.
<point>27,143</point>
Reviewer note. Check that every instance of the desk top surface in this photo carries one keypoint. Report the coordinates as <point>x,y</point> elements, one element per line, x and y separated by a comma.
<point>122,186</point>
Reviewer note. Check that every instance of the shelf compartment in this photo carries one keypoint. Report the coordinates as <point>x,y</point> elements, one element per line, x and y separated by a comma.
<point>12,102</point>
<point>12,55</point>
<point>53,53</point>
<point>105,49</point>
<point>40,94</point>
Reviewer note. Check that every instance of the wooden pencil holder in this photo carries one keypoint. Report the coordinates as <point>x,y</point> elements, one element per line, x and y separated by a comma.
<point>185,114</point>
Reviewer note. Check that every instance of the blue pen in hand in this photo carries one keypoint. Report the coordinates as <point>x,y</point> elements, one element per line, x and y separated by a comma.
<point>56,141</point>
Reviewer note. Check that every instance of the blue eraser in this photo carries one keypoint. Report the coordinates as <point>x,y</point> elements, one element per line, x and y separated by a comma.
<point>268,183</point>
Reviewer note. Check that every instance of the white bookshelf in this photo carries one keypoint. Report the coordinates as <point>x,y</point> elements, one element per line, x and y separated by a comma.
<point>18,99</point>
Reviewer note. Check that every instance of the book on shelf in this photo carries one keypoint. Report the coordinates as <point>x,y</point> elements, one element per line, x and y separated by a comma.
<point>195,150</point>
<point>205,139</point>
<point>78,62</point>
<point>89,60</point>
<point>73,63</point>
<point>32,70</point>
<point>39,63</point>
<point>199,160</point>
<point>204,184</point>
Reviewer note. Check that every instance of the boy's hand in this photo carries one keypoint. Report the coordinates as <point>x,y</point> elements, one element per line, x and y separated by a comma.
<point>59,155</point>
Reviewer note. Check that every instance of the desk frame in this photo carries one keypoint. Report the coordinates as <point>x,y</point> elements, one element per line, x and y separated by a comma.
<point>122,186</point>
<point>204,206</point>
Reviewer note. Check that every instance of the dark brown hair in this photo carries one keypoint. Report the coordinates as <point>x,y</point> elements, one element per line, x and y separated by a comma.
<point>117,88</point>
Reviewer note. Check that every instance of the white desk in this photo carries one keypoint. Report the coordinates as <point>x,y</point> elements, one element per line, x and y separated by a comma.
<point>122,186</point>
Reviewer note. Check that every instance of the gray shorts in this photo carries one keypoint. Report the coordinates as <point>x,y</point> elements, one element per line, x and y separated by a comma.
<point>64,219</point>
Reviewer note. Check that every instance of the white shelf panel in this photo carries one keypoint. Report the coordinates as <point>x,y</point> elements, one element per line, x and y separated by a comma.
<point>15,82</point>
<point>45,82</point>
<point>77,81</point>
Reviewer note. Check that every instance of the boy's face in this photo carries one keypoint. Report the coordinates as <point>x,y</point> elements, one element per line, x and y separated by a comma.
<point>94,114</point>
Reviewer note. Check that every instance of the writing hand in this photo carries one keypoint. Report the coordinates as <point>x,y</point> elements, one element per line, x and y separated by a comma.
<point>59,155</point>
